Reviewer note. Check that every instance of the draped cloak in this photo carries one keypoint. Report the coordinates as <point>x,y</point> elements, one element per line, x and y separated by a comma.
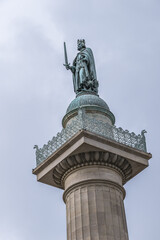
<point>89,61</point>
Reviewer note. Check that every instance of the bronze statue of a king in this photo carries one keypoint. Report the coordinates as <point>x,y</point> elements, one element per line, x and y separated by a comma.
<point>83,69</point>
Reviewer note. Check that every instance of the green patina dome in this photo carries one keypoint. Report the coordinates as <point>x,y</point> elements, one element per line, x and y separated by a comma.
<point>87,100</point>
<point>91,103</point>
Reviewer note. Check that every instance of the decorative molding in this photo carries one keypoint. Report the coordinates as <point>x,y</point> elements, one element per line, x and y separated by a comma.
<point>107,159</point>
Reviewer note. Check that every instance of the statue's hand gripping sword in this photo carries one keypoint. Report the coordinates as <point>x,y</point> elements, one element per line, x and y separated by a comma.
<point>67,65</point>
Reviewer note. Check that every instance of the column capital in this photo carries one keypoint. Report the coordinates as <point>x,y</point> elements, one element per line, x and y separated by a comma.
<point>96,158</point>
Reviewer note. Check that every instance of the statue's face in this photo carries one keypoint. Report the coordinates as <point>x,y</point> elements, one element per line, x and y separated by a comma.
<point>80,45</point>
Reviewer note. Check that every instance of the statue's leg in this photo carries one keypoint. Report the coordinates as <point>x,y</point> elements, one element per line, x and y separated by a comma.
<point>77,80</point>
<point>86,71</point>
<point>82,76</point>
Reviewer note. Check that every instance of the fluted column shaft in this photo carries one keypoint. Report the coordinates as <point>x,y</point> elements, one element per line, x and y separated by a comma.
<point>94,202</point>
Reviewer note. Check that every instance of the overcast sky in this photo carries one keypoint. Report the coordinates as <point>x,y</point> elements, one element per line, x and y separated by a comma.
<point>35,91</point>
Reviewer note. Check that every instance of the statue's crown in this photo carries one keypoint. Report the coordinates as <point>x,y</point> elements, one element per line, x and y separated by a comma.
<point>81,41</point>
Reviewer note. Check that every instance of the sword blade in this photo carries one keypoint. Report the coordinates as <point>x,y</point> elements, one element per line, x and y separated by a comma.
<point>65,54</point>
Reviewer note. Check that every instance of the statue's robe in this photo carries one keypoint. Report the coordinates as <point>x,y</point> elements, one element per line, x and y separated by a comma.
<point>84,69</point>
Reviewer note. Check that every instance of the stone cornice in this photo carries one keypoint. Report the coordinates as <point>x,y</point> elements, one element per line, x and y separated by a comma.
<point>85,141</point>
<point>89,135</point>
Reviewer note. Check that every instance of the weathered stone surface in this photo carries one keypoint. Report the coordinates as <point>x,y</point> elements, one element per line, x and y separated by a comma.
<point>94,201</point>
<point>96,211</point>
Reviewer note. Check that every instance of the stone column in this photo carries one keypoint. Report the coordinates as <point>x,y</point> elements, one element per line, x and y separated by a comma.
<point>94,198</point>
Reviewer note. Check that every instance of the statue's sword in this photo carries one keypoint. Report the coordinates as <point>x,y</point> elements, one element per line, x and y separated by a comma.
<point>65,56</point>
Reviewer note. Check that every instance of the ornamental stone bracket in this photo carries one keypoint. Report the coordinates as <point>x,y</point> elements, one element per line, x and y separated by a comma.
<point>86,149</point>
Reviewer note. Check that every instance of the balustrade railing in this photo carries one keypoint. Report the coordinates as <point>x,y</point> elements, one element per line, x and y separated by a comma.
<point>83,121</point>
